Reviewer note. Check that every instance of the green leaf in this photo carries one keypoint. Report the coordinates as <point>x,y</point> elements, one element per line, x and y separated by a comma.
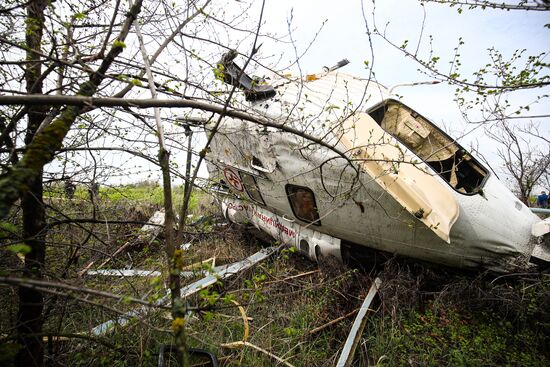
<point>8,227</point>
<point>119,43</point>
<point>79,16</point>
<point>208,316</point>
<point>290,331</point>
<point>219,72</point>
<point>228,299</point>
<point>19,248</point>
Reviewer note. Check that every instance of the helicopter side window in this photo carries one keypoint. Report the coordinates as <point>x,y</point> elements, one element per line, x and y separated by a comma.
<point>302,202</point>
<point>451,162</point>
<point>251,187</point>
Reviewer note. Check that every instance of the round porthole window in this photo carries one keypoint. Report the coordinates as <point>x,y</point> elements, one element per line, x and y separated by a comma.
<point>304,247</point>
<point>318,254</point>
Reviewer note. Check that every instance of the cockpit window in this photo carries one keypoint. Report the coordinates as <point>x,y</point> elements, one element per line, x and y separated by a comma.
<point>437,149</point>
<point>251,187</point>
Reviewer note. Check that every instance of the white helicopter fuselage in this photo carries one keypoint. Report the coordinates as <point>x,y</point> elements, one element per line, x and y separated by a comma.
<point>385,178</point>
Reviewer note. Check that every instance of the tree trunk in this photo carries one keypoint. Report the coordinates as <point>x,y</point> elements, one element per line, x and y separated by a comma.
<point>31,302</point>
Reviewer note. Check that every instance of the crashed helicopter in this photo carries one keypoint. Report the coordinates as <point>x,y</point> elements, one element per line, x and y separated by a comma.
<point>343,168</point>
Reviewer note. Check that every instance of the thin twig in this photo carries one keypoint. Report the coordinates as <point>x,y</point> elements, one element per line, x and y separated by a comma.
<point>241,344</point>
<point>335,321</point>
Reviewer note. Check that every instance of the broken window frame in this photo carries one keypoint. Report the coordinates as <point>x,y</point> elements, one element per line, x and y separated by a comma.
<point>291,195</point>
<point>220,187</point>
<point>459,151</point>
<point>255,188</point>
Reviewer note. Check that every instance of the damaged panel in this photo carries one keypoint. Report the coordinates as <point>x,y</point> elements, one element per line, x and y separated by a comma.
<point>403,177</point>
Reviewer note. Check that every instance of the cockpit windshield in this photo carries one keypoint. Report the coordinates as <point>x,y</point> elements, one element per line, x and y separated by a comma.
<point>433,146</point>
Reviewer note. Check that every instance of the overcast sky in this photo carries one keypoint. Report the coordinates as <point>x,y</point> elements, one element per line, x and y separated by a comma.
<point>344,36</point>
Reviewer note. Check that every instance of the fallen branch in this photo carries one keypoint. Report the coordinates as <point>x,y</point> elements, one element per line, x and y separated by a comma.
<point>149,232</point>
<point>335,321</point>
<point>293,277</point>
<point>241,344</point>
<point>33,284</point>
<point>50,337</point>
<point>199,265</point>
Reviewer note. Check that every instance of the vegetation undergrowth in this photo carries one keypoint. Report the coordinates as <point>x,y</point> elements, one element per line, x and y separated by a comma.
<point>425,315</point>
<point>445,318</point>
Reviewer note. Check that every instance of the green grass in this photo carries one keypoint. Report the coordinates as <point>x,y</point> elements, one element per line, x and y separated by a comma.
<point>426,316</point>
<point>452,337</point>
<point>150,193</point>
<point>144,192</point>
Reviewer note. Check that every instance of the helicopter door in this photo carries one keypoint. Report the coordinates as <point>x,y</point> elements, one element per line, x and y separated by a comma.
<point>400,173</point>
